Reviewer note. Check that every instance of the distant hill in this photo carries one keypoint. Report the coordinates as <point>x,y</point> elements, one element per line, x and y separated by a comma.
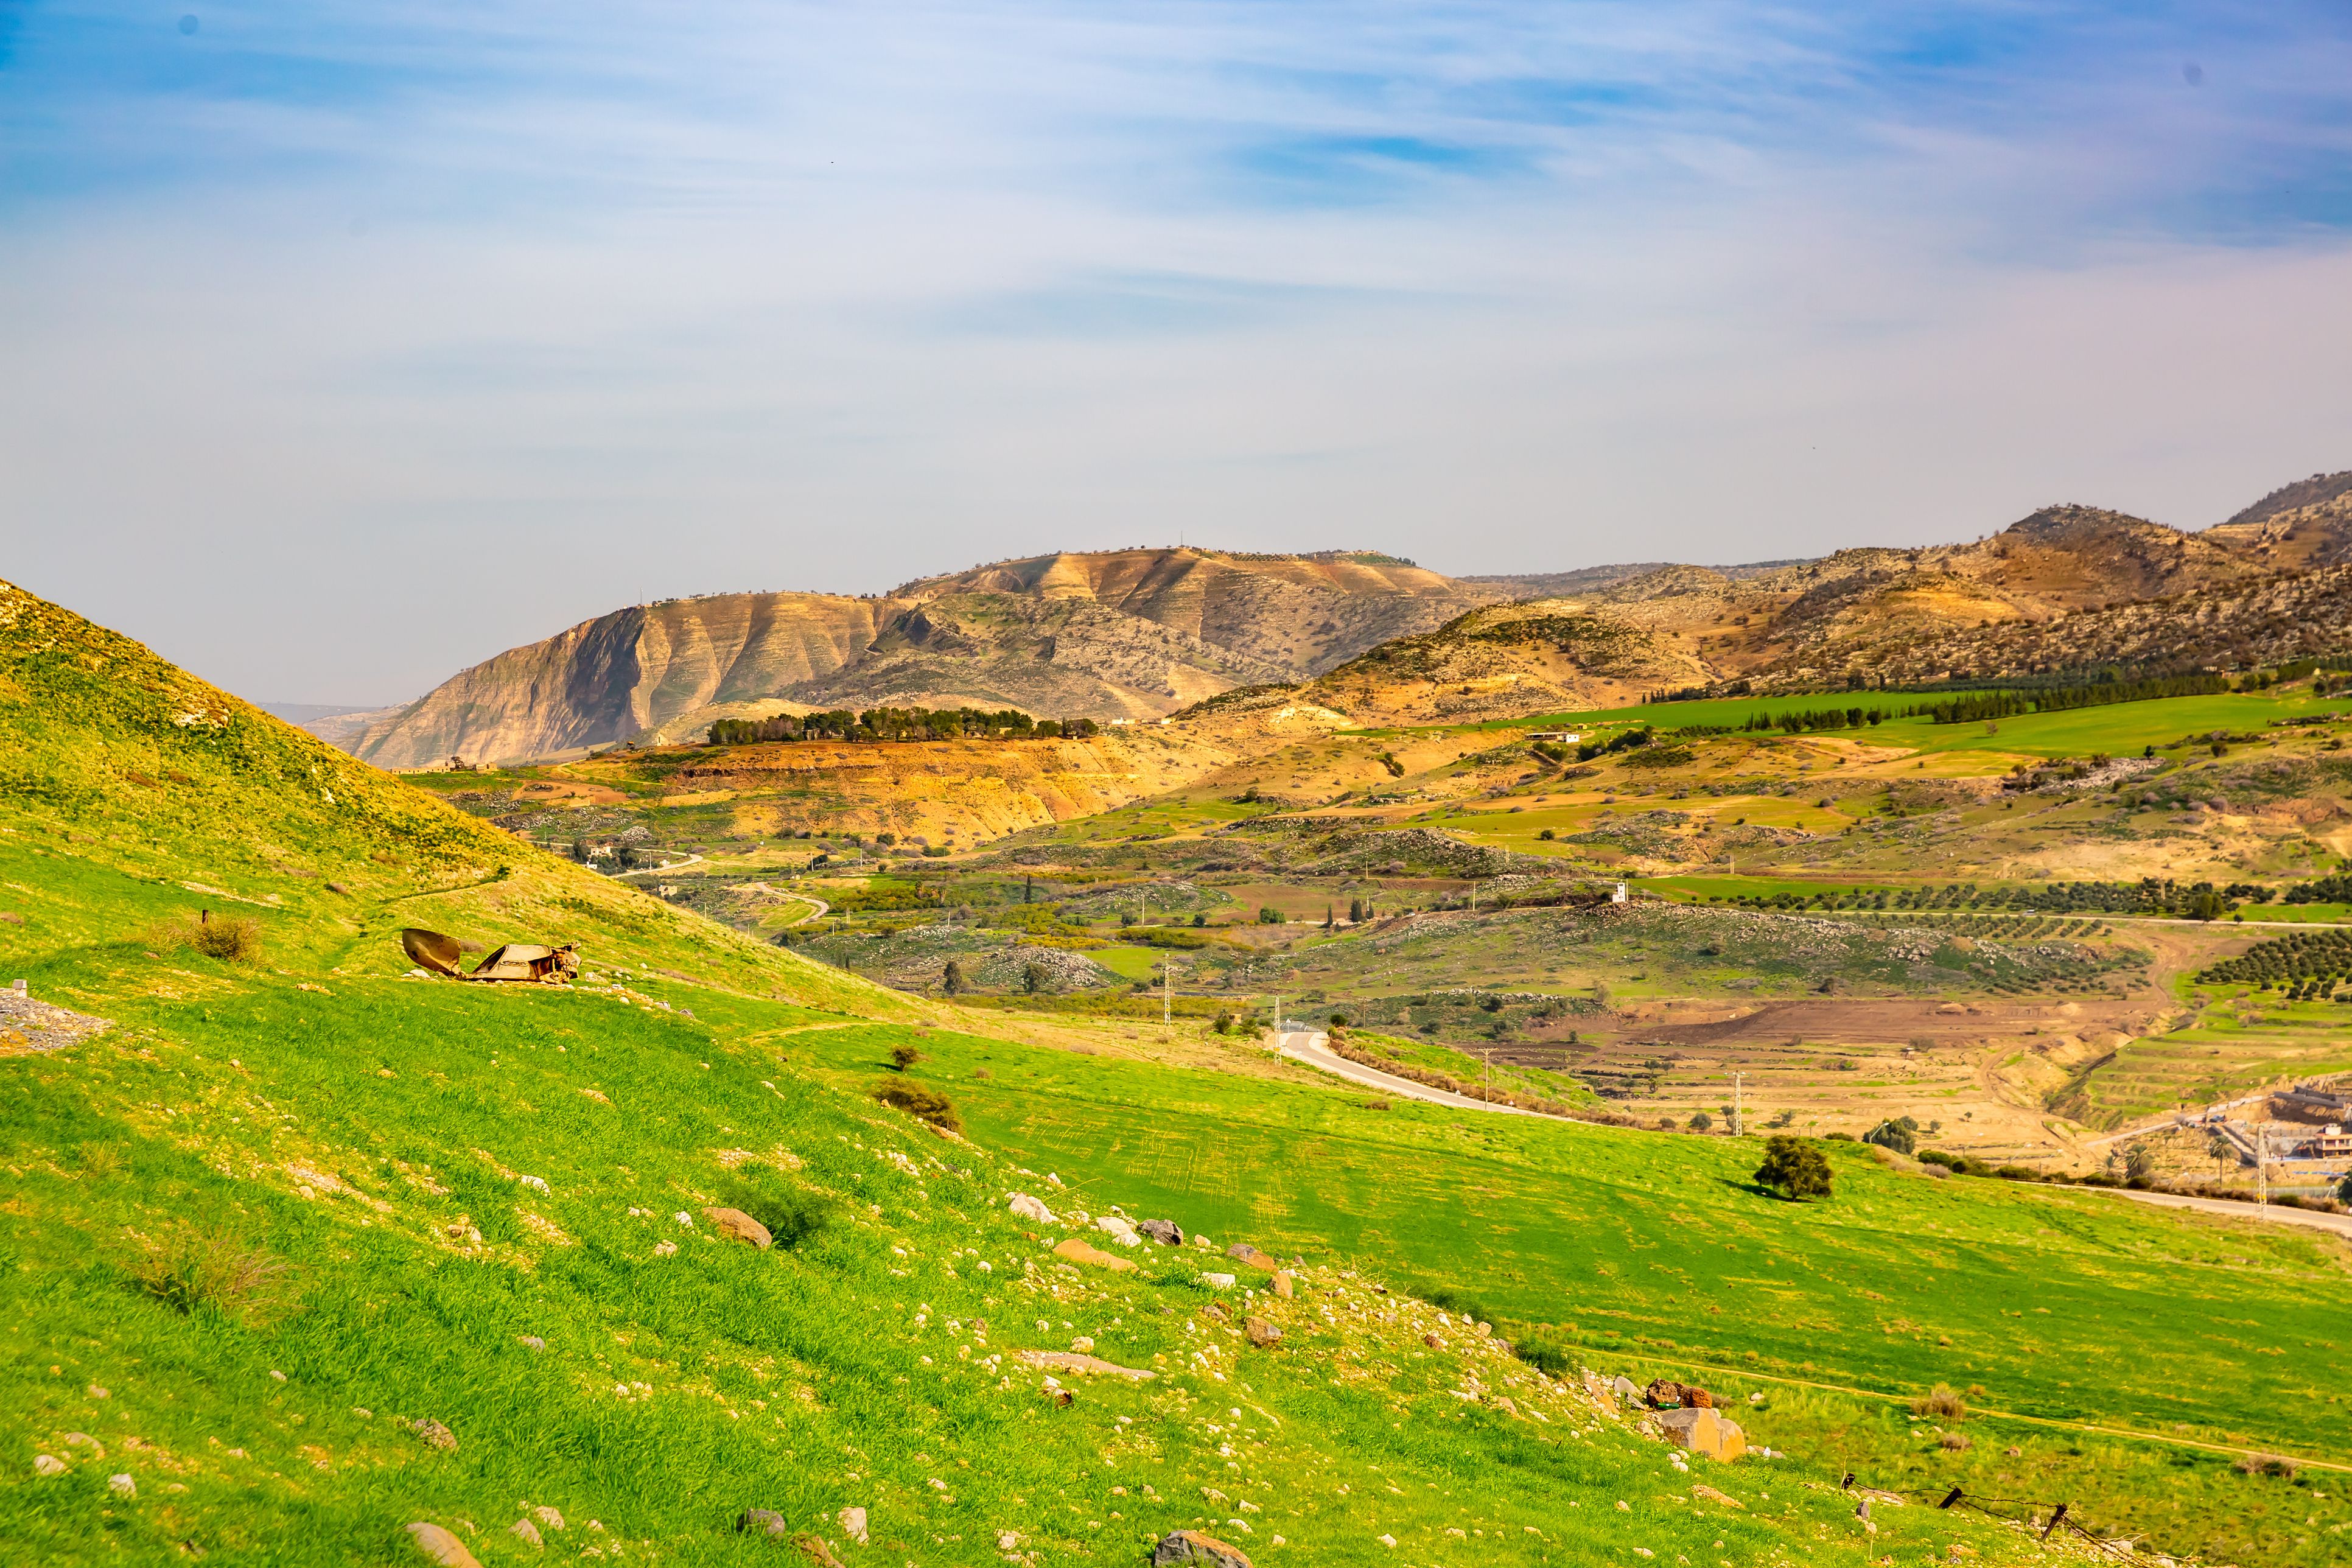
<point>1131,634</point>
<point>1140,634</point>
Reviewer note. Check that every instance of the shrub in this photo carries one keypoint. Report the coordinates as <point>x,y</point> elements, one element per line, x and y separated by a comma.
<point>1957,1442</point>
<point>234,939</point>
<point>904,1057</point>
<point>792,1215</point>
<point>214,1270</point>
<point>1267,915</point>
<point>1941,1402</point>
<point>1898,1135</point>
<point>2265,1465</point>
<point>1701,1122</point>
<point>923,1103</point>
<point>1794,1167</point>
<point>1544,1356</point>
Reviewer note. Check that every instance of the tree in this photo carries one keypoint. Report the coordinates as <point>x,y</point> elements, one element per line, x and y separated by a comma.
<point>952,981</point>
<point>904,1057</point>
<point>1033,978</point>
<point>2221,1150</point>
<point>580,850</point>
<point>1701,1121</point>
<point>1794,1168</point>
<point>2343,1191</point>
<point>1898,1135</point>
<point>1329,919</point>
<point>1355,911</point>
<point>2139,1162</point>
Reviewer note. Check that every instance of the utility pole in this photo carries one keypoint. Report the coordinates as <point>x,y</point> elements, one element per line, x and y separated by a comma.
<point>1738,1105</point>
<point>1167,992</point>
<point>2261,1164</point>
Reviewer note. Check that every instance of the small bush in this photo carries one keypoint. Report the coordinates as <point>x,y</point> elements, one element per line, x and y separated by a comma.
<point>234,939</point>
<point>1941,1402</point>
<point>923,1103</point>
<point>904,1057</point>
<point>790,1214</point>
<point>1544,1356</point>
<point>214,1270</point>
<point>1794,1167</point>
<point>1957,1442</point>
<point>2265,1465</point>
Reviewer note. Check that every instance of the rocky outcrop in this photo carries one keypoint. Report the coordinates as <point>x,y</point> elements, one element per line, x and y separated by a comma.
<point>1131,634</point>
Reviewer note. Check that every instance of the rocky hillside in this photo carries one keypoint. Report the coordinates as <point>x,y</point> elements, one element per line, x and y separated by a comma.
<point>1127,634</point>
<point>1544,656</point>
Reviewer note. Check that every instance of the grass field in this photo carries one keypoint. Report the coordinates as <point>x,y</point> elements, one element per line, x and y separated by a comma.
<point>1656,1248</point>
<point>290,1205</point>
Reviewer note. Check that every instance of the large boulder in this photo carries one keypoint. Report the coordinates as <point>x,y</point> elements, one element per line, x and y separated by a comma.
<point>1664,1393</point>
<point>1166,1232</point>
<point>737,1226</point>
<point>1119,1229</point>
<point>1242,1252</point>
<point>1080,1363</point>
<point>1183,1546</point>
<point>1702,1431</point>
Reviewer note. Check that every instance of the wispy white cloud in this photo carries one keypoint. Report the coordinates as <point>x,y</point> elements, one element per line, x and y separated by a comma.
<point>403,335</point>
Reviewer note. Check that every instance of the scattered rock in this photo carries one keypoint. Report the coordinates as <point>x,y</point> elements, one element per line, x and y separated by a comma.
<point>441,1546</point>
<point>84,1440</point>
<point>1702,1431</point>
<point>433,1431</point>
<point>1432,1342</point>
<point>1504,1403</point>
<point>1218,1281</point>
<point>1120,1230</point>
<point>1711,1494</point>
<point>523,1530</point>
<point>122,1486</point>
<point>1028,1207</point>
<point>1077,1251</point>
<point>339,888</point>
<point>549,1517</point>
<point>1283,1287</point>
<point>817,1551</point>
<point>534,1342</point>
<point>1624,1389</point>
<point>1073,1360</point>
<point>49,1464</point>
<point>1664,1393</point>
<point>1602,1393</point>
<point>1083,1343</point>
<point>737,1226</point>
<point>1261,1332</point>
<point>1242,1252</point>
<point>1008,1541</point>
<point>761,1522</point>
<point>1166,1232</point>
<point>664,1250</point>
<point>853,1524</point>
<point>1180,1546</point>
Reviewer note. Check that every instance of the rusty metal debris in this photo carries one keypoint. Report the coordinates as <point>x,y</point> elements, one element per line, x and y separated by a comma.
<point>515,961</point>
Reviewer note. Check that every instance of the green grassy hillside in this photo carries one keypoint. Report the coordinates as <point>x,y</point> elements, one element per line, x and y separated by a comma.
<point>292,1204</point>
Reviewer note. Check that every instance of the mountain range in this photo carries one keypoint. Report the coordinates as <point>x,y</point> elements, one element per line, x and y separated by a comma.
<point>1141,634</point>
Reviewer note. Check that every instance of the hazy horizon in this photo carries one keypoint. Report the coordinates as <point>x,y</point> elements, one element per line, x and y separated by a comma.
<point>371,344</point>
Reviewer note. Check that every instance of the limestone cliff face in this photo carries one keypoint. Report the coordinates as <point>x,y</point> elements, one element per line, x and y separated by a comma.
<point>1129,634</point>
<point>607,679</point>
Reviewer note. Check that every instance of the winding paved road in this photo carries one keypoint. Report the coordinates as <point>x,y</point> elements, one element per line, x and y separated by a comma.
<point>2339,1223</point>
<point>1315,1050</point>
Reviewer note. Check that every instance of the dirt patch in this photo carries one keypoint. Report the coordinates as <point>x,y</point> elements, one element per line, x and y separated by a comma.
<point>29,1027</point>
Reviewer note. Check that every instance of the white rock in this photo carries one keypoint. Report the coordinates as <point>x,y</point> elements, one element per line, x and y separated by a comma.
<point>49,1464</point>
<point>1388,1541</point>
<point>1007,1541</point>
<point>523,1530</point>
<point>684,1219</point>
<point>1028,1207</point>
<point>1120,1230</point>
<point>122,1486</point>
<point>853,1524</point>
<point>1220,1281</point>
<point>549,1517</point>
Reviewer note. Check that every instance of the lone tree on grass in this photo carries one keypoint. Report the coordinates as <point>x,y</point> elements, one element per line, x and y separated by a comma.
<point>952,981</point>
<point>1794,1168</point>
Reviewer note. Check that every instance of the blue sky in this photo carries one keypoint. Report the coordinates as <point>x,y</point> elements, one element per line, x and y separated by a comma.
<point>317,306</point>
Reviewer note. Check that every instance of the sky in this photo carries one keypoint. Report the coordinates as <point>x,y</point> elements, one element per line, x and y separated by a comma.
<point>346,346</point>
